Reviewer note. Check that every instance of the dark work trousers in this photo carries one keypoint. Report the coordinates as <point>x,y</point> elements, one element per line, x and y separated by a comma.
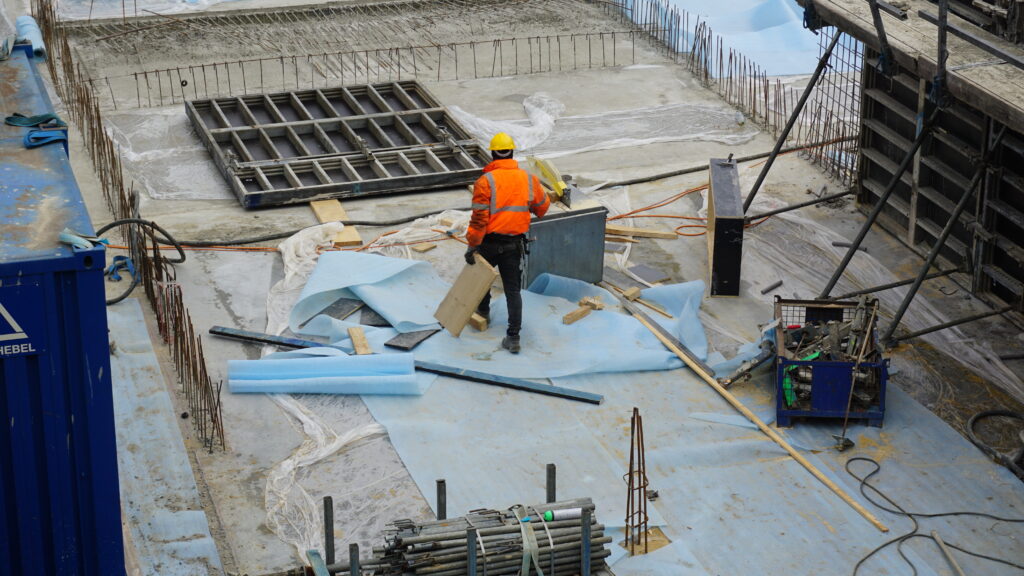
<point>506,254</point>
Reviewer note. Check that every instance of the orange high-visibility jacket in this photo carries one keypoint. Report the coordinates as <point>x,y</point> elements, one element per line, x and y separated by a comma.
<point>503,199</point>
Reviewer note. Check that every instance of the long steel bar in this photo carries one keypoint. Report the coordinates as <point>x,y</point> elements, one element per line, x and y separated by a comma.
<point>977,37</point>
<point>925,131</point>
<point>891,285</point>
<point>794,116</point>
<point>797,206</point>
<point>940,242</point>
<point>328,529</point>
<point>951,324</point>
<point>471,375</point>
<point>684,354</point>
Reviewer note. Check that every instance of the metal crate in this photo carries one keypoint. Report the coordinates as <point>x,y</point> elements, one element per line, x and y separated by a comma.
<point>809,387</point>
<point>60,512</point>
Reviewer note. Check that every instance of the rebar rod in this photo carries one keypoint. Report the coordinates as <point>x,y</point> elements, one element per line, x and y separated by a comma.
<point>822,62</point>
<point>891,285</point>
<point>951,324</point>
<point>797,206</point>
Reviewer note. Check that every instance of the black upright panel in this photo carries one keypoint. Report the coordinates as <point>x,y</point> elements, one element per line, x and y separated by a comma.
<point>725,229</point>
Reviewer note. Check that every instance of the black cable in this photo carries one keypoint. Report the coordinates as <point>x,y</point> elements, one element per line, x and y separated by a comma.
<point>913,516</point>
<point>279,235</point>
<point>149,227</point>
<point>988,450</point>
<point>168,239</point>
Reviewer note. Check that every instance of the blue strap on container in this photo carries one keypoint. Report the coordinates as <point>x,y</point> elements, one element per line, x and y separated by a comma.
<point>49,118</point>
<point>37,138</point>
<point>120,263</point>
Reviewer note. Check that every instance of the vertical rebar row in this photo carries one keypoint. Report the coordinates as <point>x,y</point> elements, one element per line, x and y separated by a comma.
<point>155,272</point>
<point>636,499</point>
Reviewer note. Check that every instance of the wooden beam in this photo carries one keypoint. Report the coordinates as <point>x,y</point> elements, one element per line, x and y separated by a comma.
<point>478,322</point>
<point>359,343</point>
<point>421,248</point>
<point>705,373</point>
<point>332,211</point>
<point>577,314</point>
<point>639,232</point>
<point>594,302</point>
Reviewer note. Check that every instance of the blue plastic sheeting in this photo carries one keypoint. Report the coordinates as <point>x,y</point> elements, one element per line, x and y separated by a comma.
<point>405,292</point>
<point>27,29</point>
<point>732,501</point>
<point>324,371</point>
<point>769,31</point>
<point>159,498</point>
<point>550,348</point>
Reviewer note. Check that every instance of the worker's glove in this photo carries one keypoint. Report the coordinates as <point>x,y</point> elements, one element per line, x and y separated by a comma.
<point>471,255</point>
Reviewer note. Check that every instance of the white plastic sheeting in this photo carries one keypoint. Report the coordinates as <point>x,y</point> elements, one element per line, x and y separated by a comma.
<point>291,512</point>
<point>545,132</point>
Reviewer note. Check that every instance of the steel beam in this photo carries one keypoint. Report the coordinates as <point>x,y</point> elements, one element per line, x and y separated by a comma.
<point>922,135</point>
<point>822,62</point>
<point>954,218</point>
<point>951,324</point>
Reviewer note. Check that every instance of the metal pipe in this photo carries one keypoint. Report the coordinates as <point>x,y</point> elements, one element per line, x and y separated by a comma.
<point>926,129</point>
<point>954,218</point>
<point>822,62</point>
<point>471,551</point>
<point>585,545</point>
<point>797,206</point>
<point>353,560</point>
<point>951,324</point>
<point>738,160</point>
<point>328,530</point>
<point>442,500</point>
<point>550,484</point>
<point>949,555</point>
<point>891,285</point>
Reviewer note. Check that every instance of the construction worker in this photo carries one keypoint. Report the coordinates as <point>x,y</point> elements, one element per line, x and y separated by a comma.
<point>503,199</point>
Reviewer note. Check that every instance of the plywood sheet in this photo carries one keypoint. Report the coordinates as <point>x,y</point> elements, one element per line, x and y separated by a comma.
<point>461,301</point>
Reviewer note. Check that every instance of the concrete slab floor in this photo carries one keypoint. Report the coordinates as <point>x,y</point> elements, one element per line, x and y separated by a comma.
<point>368,481</point>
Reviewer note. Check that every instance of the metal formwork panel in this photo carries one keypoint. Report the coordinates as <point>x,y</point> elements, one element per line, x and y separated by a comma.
<point>341,102</point>
<point>569,244</point>
<point>395,171</point>
<point>349,141</point>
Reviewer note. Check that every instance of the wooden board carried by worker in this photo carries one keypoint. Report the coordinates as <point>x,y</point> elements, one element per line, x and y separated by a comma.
<point>331,211</point>
<point>461,301</point>
<point>639,232</point>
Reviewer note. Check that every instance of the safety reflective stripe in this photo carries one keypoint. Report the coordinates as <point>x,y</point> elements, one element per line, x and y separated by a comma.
<point>494,197</point>
<point>494,191</point>
<point>480,207</point>
<point>532,203</point>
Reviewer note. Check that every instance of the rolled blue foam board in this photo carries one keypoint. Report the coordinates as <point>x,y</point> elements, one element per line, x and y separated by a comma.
<point>385,374</point>
<point>27,29</point>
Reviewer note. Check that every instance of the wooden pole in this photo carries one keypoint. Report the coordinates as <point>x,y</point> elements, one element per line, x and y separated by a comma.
<point>701,369</point>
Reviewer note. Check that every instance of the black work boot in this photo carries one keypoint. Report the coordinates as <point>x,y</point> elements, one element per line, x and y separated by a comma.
<point>511,343</point>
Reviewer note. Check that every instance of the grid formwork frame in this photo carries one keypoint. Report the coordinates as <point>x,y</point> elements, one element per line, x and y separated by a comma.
<point>986,238</point>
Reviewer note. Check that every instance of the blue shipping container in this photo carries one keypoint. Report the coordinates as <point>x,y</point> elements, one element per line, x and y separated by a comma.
<point>60,512</point>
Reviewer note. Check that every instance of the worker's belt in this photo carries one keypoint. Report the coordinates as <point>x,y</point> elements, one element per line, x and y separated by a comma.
<point>506,242</point>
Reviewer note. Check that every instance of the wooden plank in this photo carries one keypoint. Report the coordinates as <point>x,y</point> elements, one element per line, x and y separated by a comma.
<point>478,322</point>
<point>577,314</point>
<point>639,232</point>
<point>624,239</point>
<point>461,301</point>
<point>421,248</point>
<point>705,373</point>
<point>332,211</point>
<point>594,302</point>
<point>359,342</point>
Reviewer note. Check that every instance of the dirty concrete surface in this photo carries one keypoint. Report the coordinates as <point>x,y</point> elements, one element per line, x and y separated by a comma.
<point>367,480</point>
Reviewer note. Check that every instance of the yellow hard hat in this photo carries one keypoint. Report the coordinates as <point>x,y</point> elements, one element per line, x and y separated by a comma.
<point>502,141</point>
